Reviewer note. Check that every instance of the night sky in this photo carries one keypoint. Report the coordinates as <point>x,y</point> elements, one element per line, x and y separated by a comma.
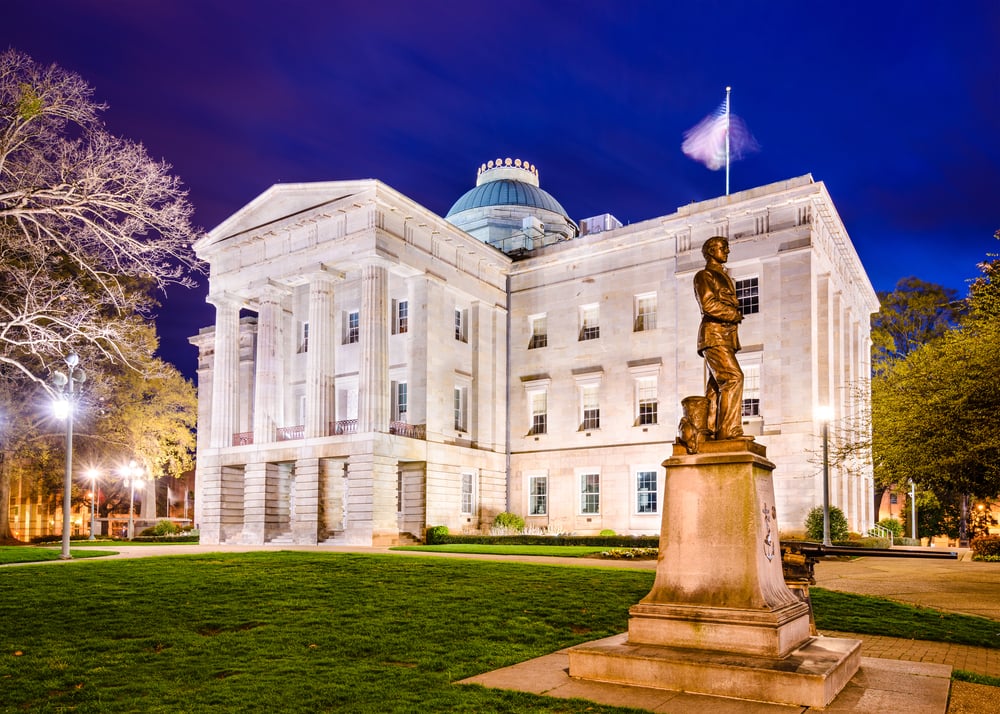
<point>895,106</point>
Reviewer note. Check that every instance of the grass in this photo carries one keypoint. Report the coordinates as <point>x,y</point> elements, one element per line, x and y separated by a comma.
<point>307,631</point>
<point>40,553</point>
<point>565,551</point>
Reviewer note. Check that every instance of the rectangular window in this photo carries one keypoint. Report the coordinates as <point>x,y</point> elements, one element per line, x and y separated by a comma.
<point>645,313</point>
<point>590,327</point>
<point>399,397</point>
<point>468,493</point>
<point>538,496</point>
<point>647,401</point>
<point>461,329</point>
<point>590,493</point>
<point>539,332</point>
<point>748,295</point>
<point>400,317</point>
<point>751,390</point>
<point>591,408</point>
<point>303,337</point>
<point>539,412</point>
<point>645,492</point>
<point>352,327</point>
<point>893,499</point>
<point>461,407</point>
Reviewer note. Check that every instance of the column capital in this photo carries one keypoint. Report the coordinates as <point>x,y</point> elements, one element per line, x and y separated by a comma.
<point>224,299</point>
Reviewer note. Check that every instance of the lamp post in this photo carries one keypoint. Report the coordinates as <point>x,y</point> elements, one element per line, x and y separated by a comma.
<point>64,409</point>
<point>92,474</point>
<point>133,475</point>
<point>825,414</point>
<point>913,511</point>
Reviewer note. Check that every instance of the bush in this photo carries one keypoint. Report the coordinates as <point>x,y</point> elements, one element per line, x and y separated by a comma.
<point>436,535</point>
<point>509,522</point>
<point>893,526</point>
<point>165,528</point>
<point>861,541</point>
<point>607,532</point>
<point>986,548</point>
<point>838,524</point>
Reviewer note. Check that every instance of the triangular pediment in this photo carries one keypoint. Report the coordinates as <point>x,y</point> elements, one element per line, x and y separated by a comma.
<point>284,201</point>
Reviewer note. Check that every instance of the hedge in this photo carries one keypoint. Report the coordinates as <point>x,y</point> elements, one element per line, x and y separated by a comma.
<point>986,547</point>
<point>435,536</point>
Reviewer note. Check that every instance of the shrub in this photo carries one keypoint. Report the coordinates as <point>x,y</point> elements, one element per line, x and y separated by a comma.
<point>986,547</point>
<point>893,526</point>
<point>509,522</point>
<point>838,524</point>
<point>165,528</point>
<point>436,535</point>
<point>607,532</point>
<point>860,541</point>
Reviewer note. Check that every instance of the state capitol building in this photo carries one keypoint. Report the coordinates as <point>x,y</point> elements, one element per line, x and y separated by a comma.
<point>375,369</point>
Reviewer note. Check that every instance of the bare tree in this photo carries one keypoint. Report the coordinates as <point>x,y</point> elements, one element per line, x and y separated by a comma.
<point>90,225</point>
<point>91,228</point>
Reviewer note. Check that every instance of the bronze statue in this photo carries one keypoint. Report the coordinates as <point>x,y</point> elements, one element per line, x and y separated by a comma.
<point>718,341</point>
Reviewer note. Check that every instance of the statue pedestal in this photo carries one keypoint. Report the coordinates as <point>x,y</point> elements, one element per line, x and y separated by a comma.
<point>720,619</point>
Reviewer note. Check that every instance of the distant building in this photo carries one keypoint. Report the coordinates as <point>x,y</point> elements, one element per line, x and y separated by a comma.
<point>376,369</point>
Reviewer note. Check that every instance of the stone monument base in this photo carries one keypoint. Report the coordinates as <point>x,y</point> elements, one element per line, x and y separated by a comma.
<point>811,675</point>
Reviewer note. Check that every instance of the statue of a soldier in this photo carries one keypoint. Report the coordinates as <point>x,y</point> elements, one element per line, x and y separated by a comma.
<point>718,341</point>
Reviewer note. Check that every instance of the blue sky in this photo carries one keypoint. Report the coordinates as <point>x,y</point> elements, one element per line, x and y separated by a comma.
<point>893,105</point>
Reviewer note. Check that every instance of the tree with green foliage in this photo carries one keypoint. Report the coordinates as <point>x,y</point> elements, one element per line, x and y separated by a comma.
<point>839,530</point>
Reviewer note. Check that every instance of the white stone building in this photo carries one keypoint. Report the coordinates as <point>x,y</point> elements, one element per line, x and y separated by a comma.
<point>376,369</point>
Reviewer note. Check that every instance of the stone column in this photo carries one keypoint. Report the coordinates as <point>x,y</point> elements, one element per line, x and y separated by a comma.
<point>320,394</point>
<point>371,517</point>
<point>255,501</point>
<point>225,372</point>
<point>305,519</point>
<point>267,411</point>
<point>373,387</point>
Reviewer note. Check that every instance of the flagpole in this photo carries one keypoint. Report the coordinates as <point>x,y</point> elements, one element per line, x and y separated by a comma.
<point>728,89</point>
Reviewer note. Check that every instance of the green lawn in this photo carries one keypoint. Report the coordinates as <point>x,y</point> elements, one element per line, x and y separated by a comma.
<point>39,553</point>
<point>307,631</point>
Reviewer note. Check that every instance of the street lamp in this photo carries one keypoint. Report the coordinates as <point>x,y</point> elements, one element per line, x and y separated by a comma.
<point>913,511</point>
<point>132,475</point>
<point>825,415</point>
<point>92,474</point>
<point>64,410</point>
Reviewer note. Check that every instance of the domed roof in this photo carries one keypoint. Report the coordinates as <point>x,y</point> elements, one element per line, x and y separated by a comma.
<point>507,192</point>
<point>509,182</point>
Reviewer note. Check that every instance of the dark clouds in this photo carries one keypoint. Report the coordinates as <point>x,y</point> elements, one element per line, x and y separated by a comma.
<point>894,106</point>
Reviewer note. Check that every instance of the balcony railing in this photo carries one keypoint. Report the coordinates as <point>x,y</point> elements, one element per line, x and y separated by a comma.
<point>412,431</point>
<point>243,438</point>
<point>344,426</point>
<point>289,433</point>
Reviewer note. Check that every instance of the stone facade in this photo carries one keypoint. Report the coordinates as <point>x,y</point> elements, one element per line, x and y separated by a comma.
<point>375,369</point>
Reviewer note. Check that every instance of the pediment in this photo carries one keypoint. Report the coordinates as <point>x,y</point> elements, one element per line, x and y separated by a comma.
<point>284,201</point>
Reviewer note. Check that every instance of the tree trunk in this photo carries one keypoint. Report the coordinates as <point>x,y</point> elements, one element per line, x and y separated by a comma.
<point>6,536</point>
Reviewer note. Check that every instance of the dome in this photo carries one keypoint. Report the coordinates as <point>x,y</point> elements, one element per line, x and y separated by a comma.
<point>507,192</point>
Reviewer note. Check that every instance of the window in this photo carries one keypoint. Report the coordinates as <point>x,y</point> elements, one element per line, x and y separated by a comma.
<point>468,493</point>
<point>352,328</point>
<point>461,331</point>
<point>539,332</point>
<point>539,412</point>
<point>399,398</point>
<point>645,492</point>
<point>748,296</point>
<point>590,328</point>
<point>400,317</point>
<point>591,408</point>
<point>751,389</point>
<point>461,407</point>
<point>647,401</point>
<point>538,495</point>
<point>893,499</point>
<point>303,337</point>
<point>645,313</point>
<point>590,493</point>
